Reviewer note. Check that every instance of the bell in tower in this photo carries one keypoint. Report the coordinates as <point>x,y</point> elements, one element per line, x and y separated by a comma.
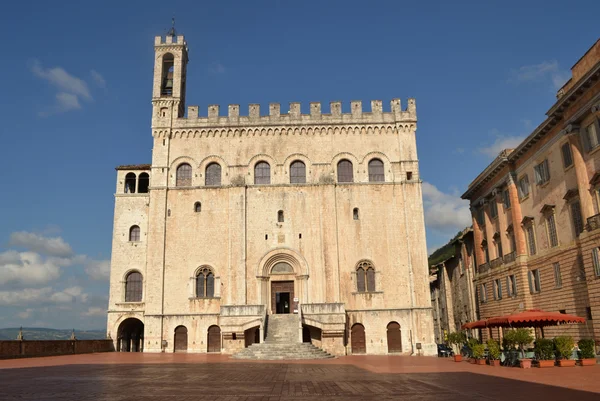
<point>167,81</point>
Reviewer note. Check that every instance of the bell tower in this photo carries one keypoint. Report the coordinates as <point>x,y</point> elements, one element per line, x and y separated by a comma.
<point>170,65</point>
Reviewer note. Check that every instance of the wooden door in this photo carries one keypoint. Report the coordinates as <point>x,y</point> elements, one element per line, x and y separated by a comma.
<point>281,286</point>
<point>358,340</point>
<point>394,337</point>
<point>181,339</point>
<point>214,339</point>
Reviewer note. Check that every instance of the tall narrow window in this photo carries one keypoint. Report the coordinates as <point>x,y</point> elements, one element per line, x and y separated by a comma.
<point>497,289</point>
<point>483,293</point>
<point>355,215</point>
<point>262,173</point>
<point>523,187</point>
<point>213,175</point>
<point>480,216</point>
<point>130,183</point>
<point>133,287</point>
<point>297,172</point>
<point>577,220</point>
<point>134,234</point>
<point>205,283</point>
<point>167,75</point>
<point>365,277</point>
<point>183,175</point>
<point>144,183</point>
<point>197,207</point>
<point>590,137</point>
<point>566,155</point>
<point>506,199</point>
<point>376,171</point>
<point>344,171</point>
<point>360,280</point>
<point>551,225</point>
<point>511,285</point>
<point>534,281</point>
<point>280,216</point>
<point>542,173</point>
<point>531,239</point>
<point>557,275</point>
<point>596,260</point>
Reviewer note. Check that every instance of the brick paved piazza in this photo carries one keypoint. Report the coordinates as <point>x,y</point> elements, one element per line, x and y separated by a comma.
<point>120,376</point>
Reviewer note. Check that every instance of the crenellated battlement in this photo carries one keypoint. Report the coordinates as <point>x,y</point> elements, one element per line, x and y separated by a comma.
<point>294,116</point>
<point>169,40</point>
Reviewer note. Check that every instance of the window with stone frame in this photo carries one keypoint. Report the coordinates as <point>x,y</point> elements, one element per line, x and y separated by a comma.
<point>498,289</point>
<point>551,229</point>
<point>596,261</point>
<point>566,155</point>
<point>590,136</point>
<point>345,171</point>
<point>534,281</point>
<point>530,231</point>
<point>483,293</point>
<point>576,216</point>
<point>133,287</point>
<point>262,173</point>
<point>493,208</point>
<point>523,187</point>
<point>506,199</point>
<point>134,234</point>
<point>205,283</point>
<point>557,275</point>
<point>376,171</point>
<point>183,175</point>
<point>297,172</point>
<point>212,175</point>
<point>498,244</point>
<point>542,173</point>
<point>511,285</point>
<point>365,277</point>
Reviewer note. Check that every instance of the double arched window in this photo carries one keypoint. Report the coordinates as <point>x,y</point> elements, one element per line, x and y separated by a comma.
<point>365,277</point>
<point>134,233</point>
<point>183,175</point>
<point>297,172</point>
<point>344,171</point>
<point>205,283</point>
<point>376,171</point>
<point>133,287</point>
<point>213,175</point>
<point>262,173</point>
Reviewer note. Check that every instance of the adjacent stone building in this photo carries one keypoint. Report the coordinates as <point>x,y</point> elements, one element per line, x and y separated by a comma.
<point>536,212</point>
<point>240,217</point>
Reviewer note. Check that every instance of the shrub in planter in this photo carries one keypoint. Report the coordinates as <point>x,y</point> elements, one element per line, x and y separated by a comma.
<point>520,337</point>
<point>564,349</point>
<point>544,352</point>
<point>493,352</point>
<point>587,355</point>
<point>478,351</point>
<point>457,340</point>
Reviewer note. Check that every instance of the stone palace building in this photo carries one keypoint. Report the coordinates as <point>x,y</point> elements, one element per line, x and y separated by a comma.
<point>239,218</point>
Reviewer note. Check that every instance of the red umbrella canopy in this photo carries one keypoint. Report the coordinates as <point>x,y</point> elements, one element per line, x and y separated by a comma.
<point>479,324</point>
<point>533,318</point>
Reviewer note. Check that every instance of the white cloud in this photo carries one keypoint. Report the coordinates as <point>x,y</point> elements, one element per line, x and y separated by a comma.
<point>23,269</point>
<point>98,78</point>
<point>98,269</point>
<point>94,311</point>
<point>217,68</point>
<point>544,71</point>
<point>26,314</point>
<point>51,246</point>
<point>60,78</point>
<point>501,143</point>
<point>25,296</point>
<point>69,295</point>
<point>445,213</point>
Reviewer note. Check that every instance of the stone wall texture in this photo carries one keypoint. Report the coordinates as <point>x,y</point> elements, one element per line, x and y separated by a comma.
<point>36,348</point>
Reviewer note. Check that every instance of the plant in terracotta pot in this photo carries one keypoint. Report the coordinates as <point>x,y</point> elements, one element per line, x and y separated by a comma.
<point>544,352</point>
<point>493,352</point>
<point>564,349</point>
<point>472,342</point>
<point>457,340</point>
<point>522,337</point>
<point>587,354</point>
<point>478,351</point>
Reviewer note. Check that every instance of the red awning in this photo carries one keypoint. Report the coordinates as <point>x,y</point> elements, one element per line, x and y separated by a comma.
<point>479,324</point>
<point>533,318</point>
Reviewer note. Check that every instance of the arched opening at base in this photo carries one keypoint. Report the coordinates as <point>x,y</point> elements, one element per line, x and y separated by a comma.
<point>181,339</point>
<point>130,336</point>
<point>358,340</point>
<point>214,339</point>
<point>394,337</point>
<point>251,336</point>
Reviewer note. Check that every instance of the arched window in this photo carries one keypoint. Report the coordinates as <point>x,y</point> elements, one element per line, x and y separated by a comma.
<point>197,207</point>
<point>376,171</point>
<point>297,172</point>
<point>184,175</point>
<point>213,175</point>
<point>344,171</point>
<point>144,183</point>
<point>355,215</point>
<point>130,183</point>
<point>280,216</point>
<point>205,283</point>
<point>133,287</point>
<point>262,173</point>
<point>365,277</point>
<point>167,75</point>
<point>134,233</point>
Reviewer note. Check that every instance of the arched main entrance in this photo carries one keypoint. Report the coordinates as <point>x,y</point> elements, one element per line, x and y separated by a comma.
<point>214,339</point>
<point>358,340</point>
<point>130,335</point>
<point>394,337</point>
<point>181,339</point>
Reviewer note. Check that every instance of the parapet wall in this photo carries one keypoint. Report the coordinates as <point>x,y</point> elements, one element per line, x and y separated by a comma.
<point>35,348</point>
<point>294,116</point>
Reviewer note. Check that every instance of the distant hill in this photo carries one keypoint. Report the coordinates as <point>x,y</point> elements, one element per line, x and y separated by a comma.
<point>39,333</point>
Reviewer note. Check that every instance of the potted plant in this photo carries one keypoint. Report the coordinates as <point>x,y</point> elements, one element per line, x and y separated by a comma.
<point>544,352</point>
<point>564,350</point>
<point>493,352</point>
<point>472,342</point>
<point>522,337</point>
<point>587,356</point>
<point>457,339</point>
<point>478,351</point>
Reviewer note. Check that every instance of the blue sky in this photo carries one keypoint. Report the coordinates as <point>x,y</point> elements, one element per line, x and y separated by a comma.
<point>76,93</point>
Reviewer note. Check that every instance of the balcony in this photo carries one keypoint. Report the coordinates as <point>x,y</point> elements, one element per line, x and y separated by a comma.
<point>496,262</point>
<point>484,268</point>
<point>510,257</point>
<point>593,223</point>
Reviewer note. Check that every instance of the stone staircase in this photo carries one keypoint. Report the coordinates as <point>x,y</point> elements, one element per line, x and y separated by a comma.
<point>282,342</point>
